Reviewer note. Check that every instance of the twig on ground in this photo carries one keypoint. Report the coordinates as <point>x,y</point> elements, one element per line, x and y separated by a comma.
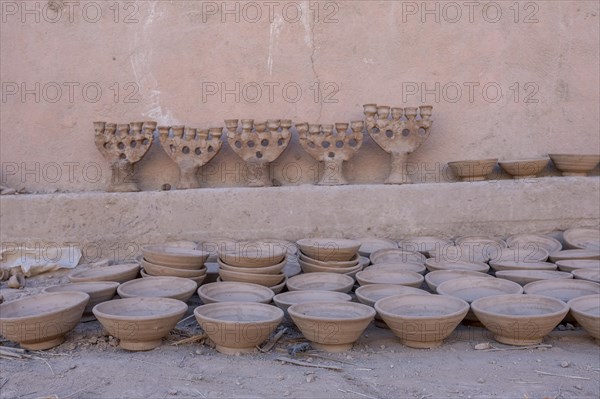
<point>305,364</point>
<point>200,394</point>
<point>356,393</point>
<point>559,392</point>
<point>518,348</point>
<point>185,319</point>
<point>47,364</point>
<point>194,338</point>
<point>561,375</point>
<point>309,354</point>
<point>269,345</point>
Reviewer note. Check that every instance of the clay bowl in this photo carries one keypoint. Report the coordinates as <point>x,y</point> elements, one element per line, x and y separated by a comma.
<point>511,265</point>
<point>425,244</point>
<point>481,241</point>
<point>238,327</point>
<point>586,310</point>
<point>310,268</point>
<point>116,273</point>
<point>332,263</point>
<point>581,238</point>
<point>422,321</point>
<point>275,288</point>
<point>290,248</point>
<point>40,322</point>
<point>435,278</point>
<point>287,299</point>
<point>399,266</point>
<point>321,282</point>
<point>456,253</point>
<point>331,326</point>
<point>140,323</point>
<point>181,258</point>
<point>475,170</point>
<point>253,254</point>
<point>374,276</point>
<point>227,291</point>
<point>197,280</point>
<point>472,288</point>
<point>327,249</point>
<point>574,254</point>
<point>433,265</point>
<point>266,280</point>
<point>368,245</point>
<point>397,255</point>
<point>529,241</point>
<point>524,168</point>
<point>519,319</point>
<point>275,269</point>
<point>159,287</point>
<point>565,290</point>
<point>364,261</point>
<point>371,293</point>
<point>99,291</point>
<point>587,274</point>
<point>573,264</point>
<point>518,254</point>
<point>575,164</point>
<point>524,277</point>
<point>215,244</point>
<point>158,270</point>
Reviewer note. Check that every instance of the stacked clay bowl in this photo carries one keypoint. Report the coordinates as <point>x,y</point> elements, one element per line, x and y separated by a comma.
<point>167,261</point>
<point>287,299</point>
<point>582,238</point>
<point>99,291</point>
<point>329,255</point>
<point>233,291</point>
<point>253,262</point>
<point>159,287</point>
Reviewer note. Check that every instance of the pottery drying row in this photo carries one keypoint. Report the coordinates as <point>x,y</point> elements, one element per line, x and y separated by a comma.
<point>398,131</point>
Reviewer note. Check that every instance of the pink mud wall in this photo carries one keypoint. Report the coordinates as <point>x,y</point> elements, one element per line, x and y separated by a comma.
<point>163,60</point>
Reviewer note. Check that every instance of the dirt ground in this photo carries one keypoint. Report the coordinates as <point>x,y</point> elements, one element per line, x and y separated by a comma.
<point>90,365</point>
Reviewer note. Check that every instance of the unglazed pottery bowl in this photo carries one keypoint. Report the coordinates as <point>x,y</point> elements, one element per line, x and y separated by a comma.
<point>40,322</point>
<point>197,280</point>
<point>368,245</point>
<point>287,299</point>
<point>587,274</point>
<point>327,249</point>
<point>158,270</point>
<point>229,291</point>
<point>435,278</point>
<point>574,254</point>
<point>524,168</point>
<point>332,326</point>
<point>400,267</point>
<point>433,265</point>
<point>274,269</point>
<point>524,277</point>
<point>238,327</point>
<point>310,268</point>
<point>378,276</point>
<point>99,291</point>
<point>267,280</point>
<point>117,273</point>
<point>181,258</point>
<point>140,323</point>
<point>532,241</point>
<point>332,263</point>
<point>503,265</point>
<point>565,290</point>
<point>582,238</point>
<point>575,164</point>
<point>586,310</point>
<point>519,319</point>
<point>160,287</point>
<point>518,254</point>
<point>573,264</point>
<point>397,255</point>
<point>474,170</point>
<point>422,321</point>
<point>321,282</point>
<point>253,254</point>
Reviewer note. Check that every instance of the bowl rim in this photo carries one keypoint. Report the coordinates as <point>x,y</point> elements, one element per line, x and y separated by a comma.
<point>344,270</point>
<point>341,277</point>
<point>359,292</point>
<point>441,298</point>
<point>201,290</point>
<point>496,280</point>
<point>83,299</point>
<point>370,311</point>
<point>108,285</point>
<point>159,249</point>
<point>81,273</point>
<point>406,273</point>
<point>177,307</point>
<point>241,305</point>
<point>575,301</point>
<point>342,296</point>
<point>574,282</point>
<point>475,305</point>
<point>180,283</point>
<point>279,265</point>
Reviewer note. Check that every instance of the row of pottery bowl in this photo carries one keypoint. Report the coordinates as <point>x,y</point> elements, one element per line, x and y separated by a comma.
<point>169,261</point>
<point>253,262</point>
<point>330,255</point>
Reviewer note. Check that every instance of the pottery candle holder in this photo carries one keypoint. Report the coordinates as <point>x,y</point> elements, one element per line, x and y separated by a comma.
<point>123,146</point>
<point>258,144</point>
<point>332,147</point>
<point>190,149</point>
<point>399,135</point>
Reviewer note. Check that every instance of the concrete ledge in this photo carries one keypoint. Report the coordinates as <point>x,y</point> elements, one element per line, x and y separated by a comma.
<point>110,220</point>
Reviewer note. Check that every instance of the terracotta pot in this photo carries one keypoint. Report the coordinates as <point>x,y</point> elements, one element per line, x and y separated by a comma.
<point>399,266</point>
<point>582,238</point>
<point>197,280</point>
<point>253,254</point>
<point>181,258</point>
<point>518,255</point>
<point>329,249</point>
<point>475,170</point>
<point>159,287</point>
<point>422,321</point>
<point>275,288</point>
<point>332,263</point>
<point>433,265</point>
<point>99,291</point>
<point>565,290</point>
<point>472,288</point>
<point>371,293</point>
<point>227,291</point>
<point>238,327</point>
<point>524,277</point>
<point>266,280</point>
<point>40,322</point>
<point>573,264</point>
<point>377,276</point>
<point>368,245</point>
<point>310,268</point>
<point>531,241</point>
<point>157,270</point>
<point>521,265</point>
<point>275,269</point>
<point>574,254</point>
<point>424,244</point>
<point>140,323</point>
<point>331,326</point>
<point>524,168</point>
<point>117,273</point>
<point>287,299</point>
<point>586,310</point>
<point>397,255</point>
<point>519,319</point>
<point>587,274</point>
<point>435,278</point>
<point>575,164</point>
<point>321,282</point>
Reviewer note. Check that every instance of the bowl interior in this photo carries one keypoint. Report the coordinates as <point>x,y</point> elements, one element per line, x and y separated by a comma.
<point>371,293</point>
<point>565,290</point>
<point>320,281</point>
<point>106,271</point>
<point>140,307</point>
<point>588,305</point>
<point>332,310</point>
<point>157,286</point>
<point>245,312</point>
<point>292,297</point>
<point>472,288</point>
<point>41,305</point>
<point>235,292</point>
<point>418,306</point>
<point>520,305</point>
<point>91,288</point>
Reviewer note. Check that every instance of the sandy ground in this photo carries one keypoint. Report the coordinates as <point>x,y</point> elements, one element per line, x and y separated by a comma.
<point>90,365</point>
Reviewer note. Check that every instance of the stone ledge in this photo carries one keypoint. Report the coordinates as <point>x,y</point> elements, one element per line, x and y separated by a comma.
<point>492,207</point>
